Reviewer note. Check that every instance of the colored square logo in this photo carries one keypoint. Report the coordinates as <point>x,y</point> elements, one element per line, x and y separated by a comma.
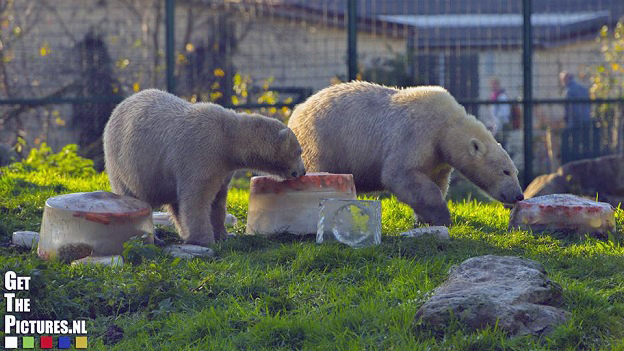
<point>81,342</point>
<point>64,342</point>
<point>28,342</point>
<point>45,342</point>
<point>10,342</point>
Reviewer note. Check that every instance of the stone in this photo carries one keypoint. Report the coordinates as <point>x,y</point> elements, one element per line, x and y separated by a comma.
<point>113,261</point>
<point>356,223</point>
<point>546,184</point>
<point>563,213</point>
<point>511,292</point>
<point>602,176</point>
<point>230,220</point>
<point>25,239</point>
<point>163,218</point>
<point>189,251</point>
<point>440,232</point>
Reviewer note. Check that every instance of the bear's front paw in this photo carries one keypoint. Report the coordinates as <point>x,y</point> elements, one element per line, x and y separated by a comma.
<point>441,217</point>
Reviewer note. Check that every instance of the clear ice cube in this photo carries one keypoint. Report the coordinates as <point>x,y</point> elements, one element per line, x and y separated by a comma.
<point>356,223</point>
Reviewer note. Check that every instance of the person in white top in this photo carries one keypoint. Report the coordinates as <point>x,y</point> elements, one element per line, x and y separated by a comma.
<point>500,114</point>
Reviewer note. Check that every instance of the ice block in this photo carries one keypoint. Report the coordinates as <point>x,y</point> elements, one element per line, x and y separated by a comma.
<point>92,224</point>
<point>356,223</point>
<point>292,205</point>
<point>563,213</point>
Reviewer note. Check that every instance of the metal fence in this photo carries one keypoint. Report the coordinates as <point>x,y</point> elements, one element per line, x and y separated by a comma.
<point>64,64</point>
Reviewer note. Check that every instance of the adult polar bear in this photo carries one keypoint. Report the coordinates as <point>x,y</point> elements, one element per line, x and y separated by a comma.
<point>406,141</point>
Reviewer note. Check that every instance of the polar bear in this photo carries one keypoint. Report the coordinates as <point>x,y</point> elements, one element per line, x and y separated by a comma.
<point>406,141</point>
<point>166,151</point>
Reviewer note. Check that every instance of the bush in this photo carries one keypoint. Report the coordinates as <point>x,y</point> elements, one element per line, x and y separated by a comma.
<point>65,163</point>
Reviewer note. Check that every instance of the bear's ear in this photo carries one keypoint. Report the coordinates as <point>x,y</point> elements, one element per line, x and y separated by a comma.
<point>477,148</point>
<point>282,136</point>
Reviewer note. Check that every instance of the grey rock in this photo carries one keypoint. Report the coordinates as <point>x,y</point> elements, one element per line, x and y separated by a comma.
<point>163,218</point>
<point>25,239</point>
<point>189,251</point>
<point>546,184</point>
<point>113,261</point>
<point>603,176</point>
<point>440,232</point>
<point>511,292</point>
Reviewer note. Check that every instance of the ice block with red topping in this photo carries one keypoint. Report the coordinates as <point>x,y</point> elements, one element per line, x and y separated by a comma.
<point>563,213</point>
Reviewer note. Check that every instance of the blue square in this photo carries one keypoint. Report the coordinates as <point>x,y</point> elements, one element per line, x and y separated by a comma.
<point>64,342</point>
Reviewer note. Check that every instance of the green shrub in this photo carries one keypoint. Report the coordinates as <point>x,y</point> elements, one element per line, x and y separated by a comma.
<point>65,163</point>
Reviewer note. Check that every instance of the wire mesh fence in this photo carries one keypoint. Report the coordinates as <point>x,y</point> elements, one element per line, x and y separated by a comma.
<point>64,64</point>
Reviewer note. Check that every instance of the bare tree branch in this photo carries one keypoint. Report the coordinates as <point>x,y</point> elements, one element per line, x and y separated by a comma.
<point>61,22</point>
<point>189,27</point>
<point>156,42</point>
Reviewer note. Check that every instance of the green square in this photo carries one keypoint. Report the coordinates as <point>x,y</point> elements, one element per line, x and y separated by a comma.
<point>28,342</point>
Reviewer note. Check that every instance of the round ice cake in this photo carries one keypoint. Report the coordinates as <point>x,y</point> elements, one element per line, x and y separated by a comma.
<point>565,213</point>
<point>92,224</point>
<point>292,205</point>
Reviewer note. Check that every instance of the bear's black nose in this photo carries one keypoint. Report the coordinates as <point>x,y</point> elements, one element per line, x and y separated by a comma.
<point>520,197</point>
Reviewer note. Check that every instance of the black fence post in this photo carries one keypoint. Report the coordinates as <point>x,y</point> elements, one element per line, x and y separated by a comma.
<point>527,66</point>
<point>170,44</point>
<point>352,40</point>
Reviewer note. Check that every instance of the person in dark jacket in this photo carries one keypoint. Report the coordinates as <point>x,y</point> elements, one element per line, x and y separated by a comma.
<point>576,114</point>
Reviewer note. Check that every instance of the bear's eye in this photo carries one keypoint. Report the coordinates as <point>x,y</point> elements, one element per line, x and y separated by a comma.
<point>507,172</point>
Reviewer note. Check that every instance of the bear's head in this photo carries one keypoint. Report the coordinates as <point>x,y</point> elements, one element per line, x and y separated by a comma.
<point>271,148</point>
<point>477,155</point>
<point>289,150</point>
<point>493,170</point>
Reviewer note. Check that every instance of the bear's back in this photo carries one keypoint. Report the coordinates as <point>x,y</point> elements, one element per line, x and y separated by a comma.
<point>356,127</point>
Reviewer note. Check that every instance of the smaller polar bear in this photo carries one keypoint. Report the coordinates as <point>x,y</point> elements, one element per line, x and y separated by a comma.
<point>406,141</point>
<point>166,151</point>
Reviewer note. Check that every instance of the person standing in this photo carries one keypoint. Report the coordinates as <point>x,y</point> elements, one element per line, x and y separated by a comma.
<point>500,113</point>
<point>576,115</point>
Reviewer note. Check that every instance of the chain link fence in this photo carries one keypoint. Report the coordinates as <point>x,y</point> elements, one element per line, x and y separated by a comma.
<point>65,64</point>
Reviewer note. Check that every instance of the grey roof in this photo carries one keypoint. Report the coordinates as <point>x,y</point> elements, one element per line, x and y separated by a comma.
<point>464,22</point>
<point>370,8</point>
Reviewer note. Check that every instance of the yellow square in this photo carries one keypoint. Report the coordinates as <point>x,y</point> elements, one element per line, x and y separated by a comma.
<point>81,342</point>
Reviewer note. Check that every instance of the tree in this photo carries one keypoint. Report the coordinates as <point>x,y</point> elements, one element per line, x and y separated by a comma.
<point>89,119</point>
<point>608,82</point>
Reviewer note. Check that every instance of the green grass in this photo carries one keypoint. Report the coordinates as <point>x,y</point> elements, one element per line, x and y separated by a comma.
<point>285,292</point>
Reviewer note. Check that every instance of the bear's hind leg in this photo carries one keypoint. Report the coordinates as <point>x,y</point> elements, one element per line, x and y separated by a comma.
<point>218,210</point>
<point>420,193</point>
<point>195,207</point>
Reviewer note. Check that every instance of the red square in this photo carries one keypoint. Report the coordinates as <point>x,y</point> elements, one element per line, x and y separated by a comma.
<point>46,342</point>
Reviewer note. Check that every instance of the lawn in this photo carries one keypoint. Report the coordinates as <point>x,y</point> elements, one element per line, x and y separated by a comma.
<point>286,292</point>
